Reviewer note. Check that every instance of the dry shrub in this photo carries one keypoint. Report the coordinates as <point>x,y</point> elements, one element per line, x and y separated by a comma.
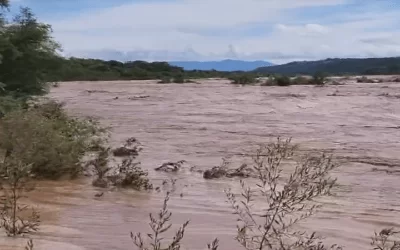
<point>223,170</point>
<point>130,174</point>
<point>284,203</point>
<point>159,225</point>
<point>387,239</point>
<point>16,218</point>
<point>213,245</point>
<point>126,174</point>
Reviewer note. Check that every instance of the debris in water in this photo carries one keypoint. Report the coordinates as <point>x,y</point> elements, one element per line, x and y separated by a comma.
<point>96,91</point>
<point>99,194</point>
<point>136,97</point>
<point>170,166</point>
<point>243,171</point>
<point>130,148</point>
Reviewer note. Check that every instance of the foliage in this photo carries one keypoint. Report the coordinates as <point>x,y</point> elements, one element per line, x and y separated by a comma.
<point>243,171</point>
<point>77,69</point>
<point>27,50</point>
<point>9,103</point>
<point>318,78</point>
<point>130,174</point>
<point>243,79</point>
<point>270,226</point>
<point>14,218</point>
<point>46,137</point>
<point>179,79</point>
<point>126,174</point>
<point>282,80</point>
<point>101,168</point>
<point>159,225</point>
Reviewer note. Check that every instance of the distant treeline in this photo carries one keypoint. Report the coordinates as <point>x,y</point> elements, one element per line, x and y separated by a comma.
<point>348,66</point>
<point>78,69</point>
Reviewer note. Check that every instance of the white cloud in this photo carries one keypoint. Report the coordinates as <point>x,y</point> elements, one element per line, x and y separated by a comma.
<point>157,30</point>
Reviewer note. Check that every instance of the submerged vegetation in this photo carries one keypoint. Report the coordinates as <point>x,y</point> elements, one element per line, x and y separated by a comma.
<point>45,137</point>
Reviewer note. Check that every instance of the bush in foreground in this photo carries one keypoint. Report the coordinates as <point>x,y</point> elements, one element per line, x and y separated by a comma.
<point>16,218</point>
<point>48,139</point>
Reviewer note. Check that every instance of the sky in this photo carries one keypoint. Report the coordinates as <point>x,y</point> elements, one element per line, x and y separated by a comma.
<point>277,31</point>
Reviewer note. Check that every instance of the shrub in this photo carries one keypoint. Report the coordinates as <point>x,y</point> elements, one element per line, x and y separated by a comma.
<point>9,103</point>
<point>387,239</point>
<point>47,138</point>
<point>318,79</point>
<point>27,52</point>
<point>179,79</point>
<point>159,225</point>
<point>101,168</point>
<point>126,174</point>
<point>15,217</point>
<point>282,80</point>
<point>130,174</point>
<point>281,204</point>
<point>243,79</point>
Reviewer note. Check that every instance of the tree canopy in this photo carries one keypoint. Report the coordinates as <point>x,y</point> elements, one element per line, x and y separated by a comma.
<point>27,51</point>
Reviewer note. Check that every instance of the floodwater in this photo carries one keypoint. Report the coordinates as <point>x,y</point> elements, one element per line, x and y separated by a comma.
<point>201,123</point>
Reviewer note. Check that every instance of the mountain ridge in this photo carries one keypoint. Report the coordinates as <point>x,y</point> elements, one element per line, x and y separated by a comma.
<point>384,65</point>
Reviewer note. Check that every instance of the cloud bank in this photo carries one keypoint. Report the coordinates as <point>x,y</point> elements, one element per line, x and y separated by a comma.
<point>274,30</point>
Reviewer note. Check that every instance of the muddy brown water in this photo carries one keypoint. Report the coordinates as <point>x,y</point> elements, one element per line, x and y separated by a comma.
<point>201,123</point>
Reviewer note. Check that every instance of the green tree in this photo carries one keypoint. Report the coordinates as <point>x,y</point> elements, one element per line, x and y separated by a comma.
<point>27,51</point>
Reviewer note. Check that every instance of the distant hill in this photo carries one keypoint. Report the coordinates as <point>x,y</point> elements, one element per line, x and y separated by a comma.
<point>225,65</point>
<point>389,65</point>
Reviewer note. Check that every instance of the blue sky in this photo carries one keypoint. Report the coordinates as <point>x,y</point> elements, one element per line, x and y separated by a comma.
<point>275,30</point>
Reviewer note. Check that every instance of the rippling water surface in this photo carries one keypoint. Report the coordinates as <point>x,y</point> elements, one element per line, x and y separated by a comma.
<point>201,123</point>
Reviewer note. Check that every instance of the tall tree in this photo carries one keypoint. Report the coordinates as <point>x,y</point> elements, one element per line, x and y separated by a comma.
<point>27,51</point>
